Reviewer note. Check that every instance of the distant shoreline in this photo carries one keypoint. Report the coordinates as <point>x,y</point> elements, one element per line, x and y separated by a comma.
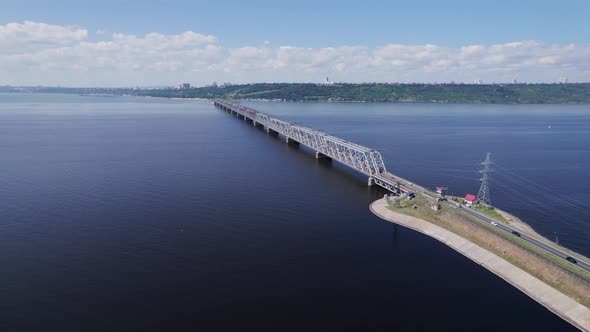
<point>398,102</point>
<point>510,94</point>
<point>310,101</point>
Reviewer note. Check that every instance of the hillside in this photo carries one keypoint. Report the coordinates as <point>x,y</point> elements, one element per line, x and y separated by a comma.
<point>370,92</point>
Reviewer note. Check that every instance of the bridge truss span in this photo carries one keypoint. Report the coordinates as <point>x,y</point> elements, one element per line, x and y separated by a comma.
<point>365,160</point>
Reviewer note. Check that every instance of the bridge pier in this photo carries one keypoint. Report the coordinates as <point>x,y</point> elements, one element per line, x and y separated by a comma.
<point>357,157</point>
<point>291,141</point>
<point>319,155</point>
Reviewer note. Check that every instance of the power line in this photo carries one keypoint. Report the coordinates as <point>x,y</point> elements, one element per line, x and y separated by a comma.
<point>539,189</point>
<point>539,206</point>
<point>545,195</point>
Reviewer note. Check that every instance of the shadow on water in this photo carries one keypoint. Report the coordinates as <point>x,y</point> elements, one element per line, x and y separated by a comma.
<point>346,173</point>
<point>394,237</point>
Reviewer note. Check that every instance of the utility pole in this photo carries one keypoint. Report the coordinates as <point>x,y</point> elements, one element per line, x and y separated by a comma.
<point>483,196</point>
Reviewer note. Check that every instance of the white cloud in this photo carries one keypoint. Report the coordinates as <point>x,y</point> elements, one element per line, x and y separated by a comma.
<point>31,36</point>
<point>39,53</point>
<point>157,41</point>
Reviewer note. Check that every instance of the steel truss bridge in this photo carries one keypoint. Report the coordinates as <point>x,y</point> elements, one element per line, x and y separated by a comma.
<point>360,158</point>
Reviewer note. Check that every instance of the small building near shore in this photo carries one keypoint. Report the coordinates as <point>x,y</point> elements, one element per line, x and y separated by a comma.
<point>470,199</point>
<point>441,190</point>
<point>435,207</point>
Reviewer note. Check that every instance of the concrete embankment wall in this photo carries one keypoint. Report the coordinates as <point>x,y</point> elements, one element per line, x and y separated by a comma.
<point>552,299</point>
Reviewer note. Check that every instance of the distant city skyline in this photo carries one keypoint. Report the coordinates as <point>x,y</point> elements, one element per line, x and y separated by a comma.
<point>156,44</point>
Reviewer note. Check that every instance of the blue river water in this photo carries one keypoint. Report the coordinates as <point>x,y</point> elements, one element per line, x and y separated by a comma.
<point>125,213</point>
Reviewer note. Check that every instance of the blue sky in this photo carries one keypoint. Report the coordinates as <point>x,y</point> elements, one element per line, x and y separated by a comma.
<point>322,24</point>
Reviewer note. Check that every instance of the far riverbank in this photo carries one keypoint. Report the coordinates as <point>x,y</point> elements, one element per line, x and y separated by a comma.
<point>498,93</point>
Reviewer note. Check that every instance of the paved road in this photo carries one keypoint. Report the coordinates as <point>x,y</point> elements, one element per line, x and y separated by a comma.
<point>553,249</point>
<point>534,241</point>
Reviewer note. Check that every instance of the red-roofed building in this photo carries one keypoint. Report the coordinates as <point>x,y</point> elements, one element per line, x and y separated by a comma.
<point>470,199</point>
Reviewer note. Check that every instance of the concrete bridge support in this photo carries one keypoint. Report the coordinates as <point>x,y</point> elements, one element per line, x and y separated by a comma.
<point>319,155</point>
<point>291,141</point>
<point>360,158</point>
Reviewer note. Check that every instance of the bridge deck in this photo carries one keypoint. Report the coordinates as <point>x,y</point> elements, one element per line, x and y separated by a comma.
<point>365,160</point>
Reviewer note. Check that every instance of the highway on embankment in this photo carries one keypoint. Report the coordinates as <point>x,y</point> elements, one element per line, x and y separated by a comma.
<point>551,298</point>
<point>543,245</point>
<point>582,262</point>
<point>546,246</point>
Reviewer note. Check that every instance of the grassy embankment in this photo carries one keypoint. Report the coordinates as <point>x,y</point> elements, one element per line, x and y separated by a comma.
<point>547,267</point>
<point>490,212</point>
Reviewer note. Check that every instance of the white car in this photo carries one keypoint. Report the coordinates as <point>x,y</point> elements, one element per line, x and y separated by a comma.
<point>494,223</point>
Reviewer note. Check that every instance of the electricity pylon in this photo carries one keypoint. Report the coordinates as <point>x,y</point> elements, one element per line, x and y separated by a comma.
<point>483,196</point>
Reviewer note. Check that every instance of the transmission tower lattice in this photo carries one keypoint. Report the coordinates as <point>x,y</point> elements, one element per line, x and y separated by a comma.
<point>483,196</point>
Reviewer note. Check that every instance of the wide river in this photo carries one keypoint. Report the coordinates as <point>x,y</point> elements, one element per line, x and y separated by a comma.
<point>137,214</point>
